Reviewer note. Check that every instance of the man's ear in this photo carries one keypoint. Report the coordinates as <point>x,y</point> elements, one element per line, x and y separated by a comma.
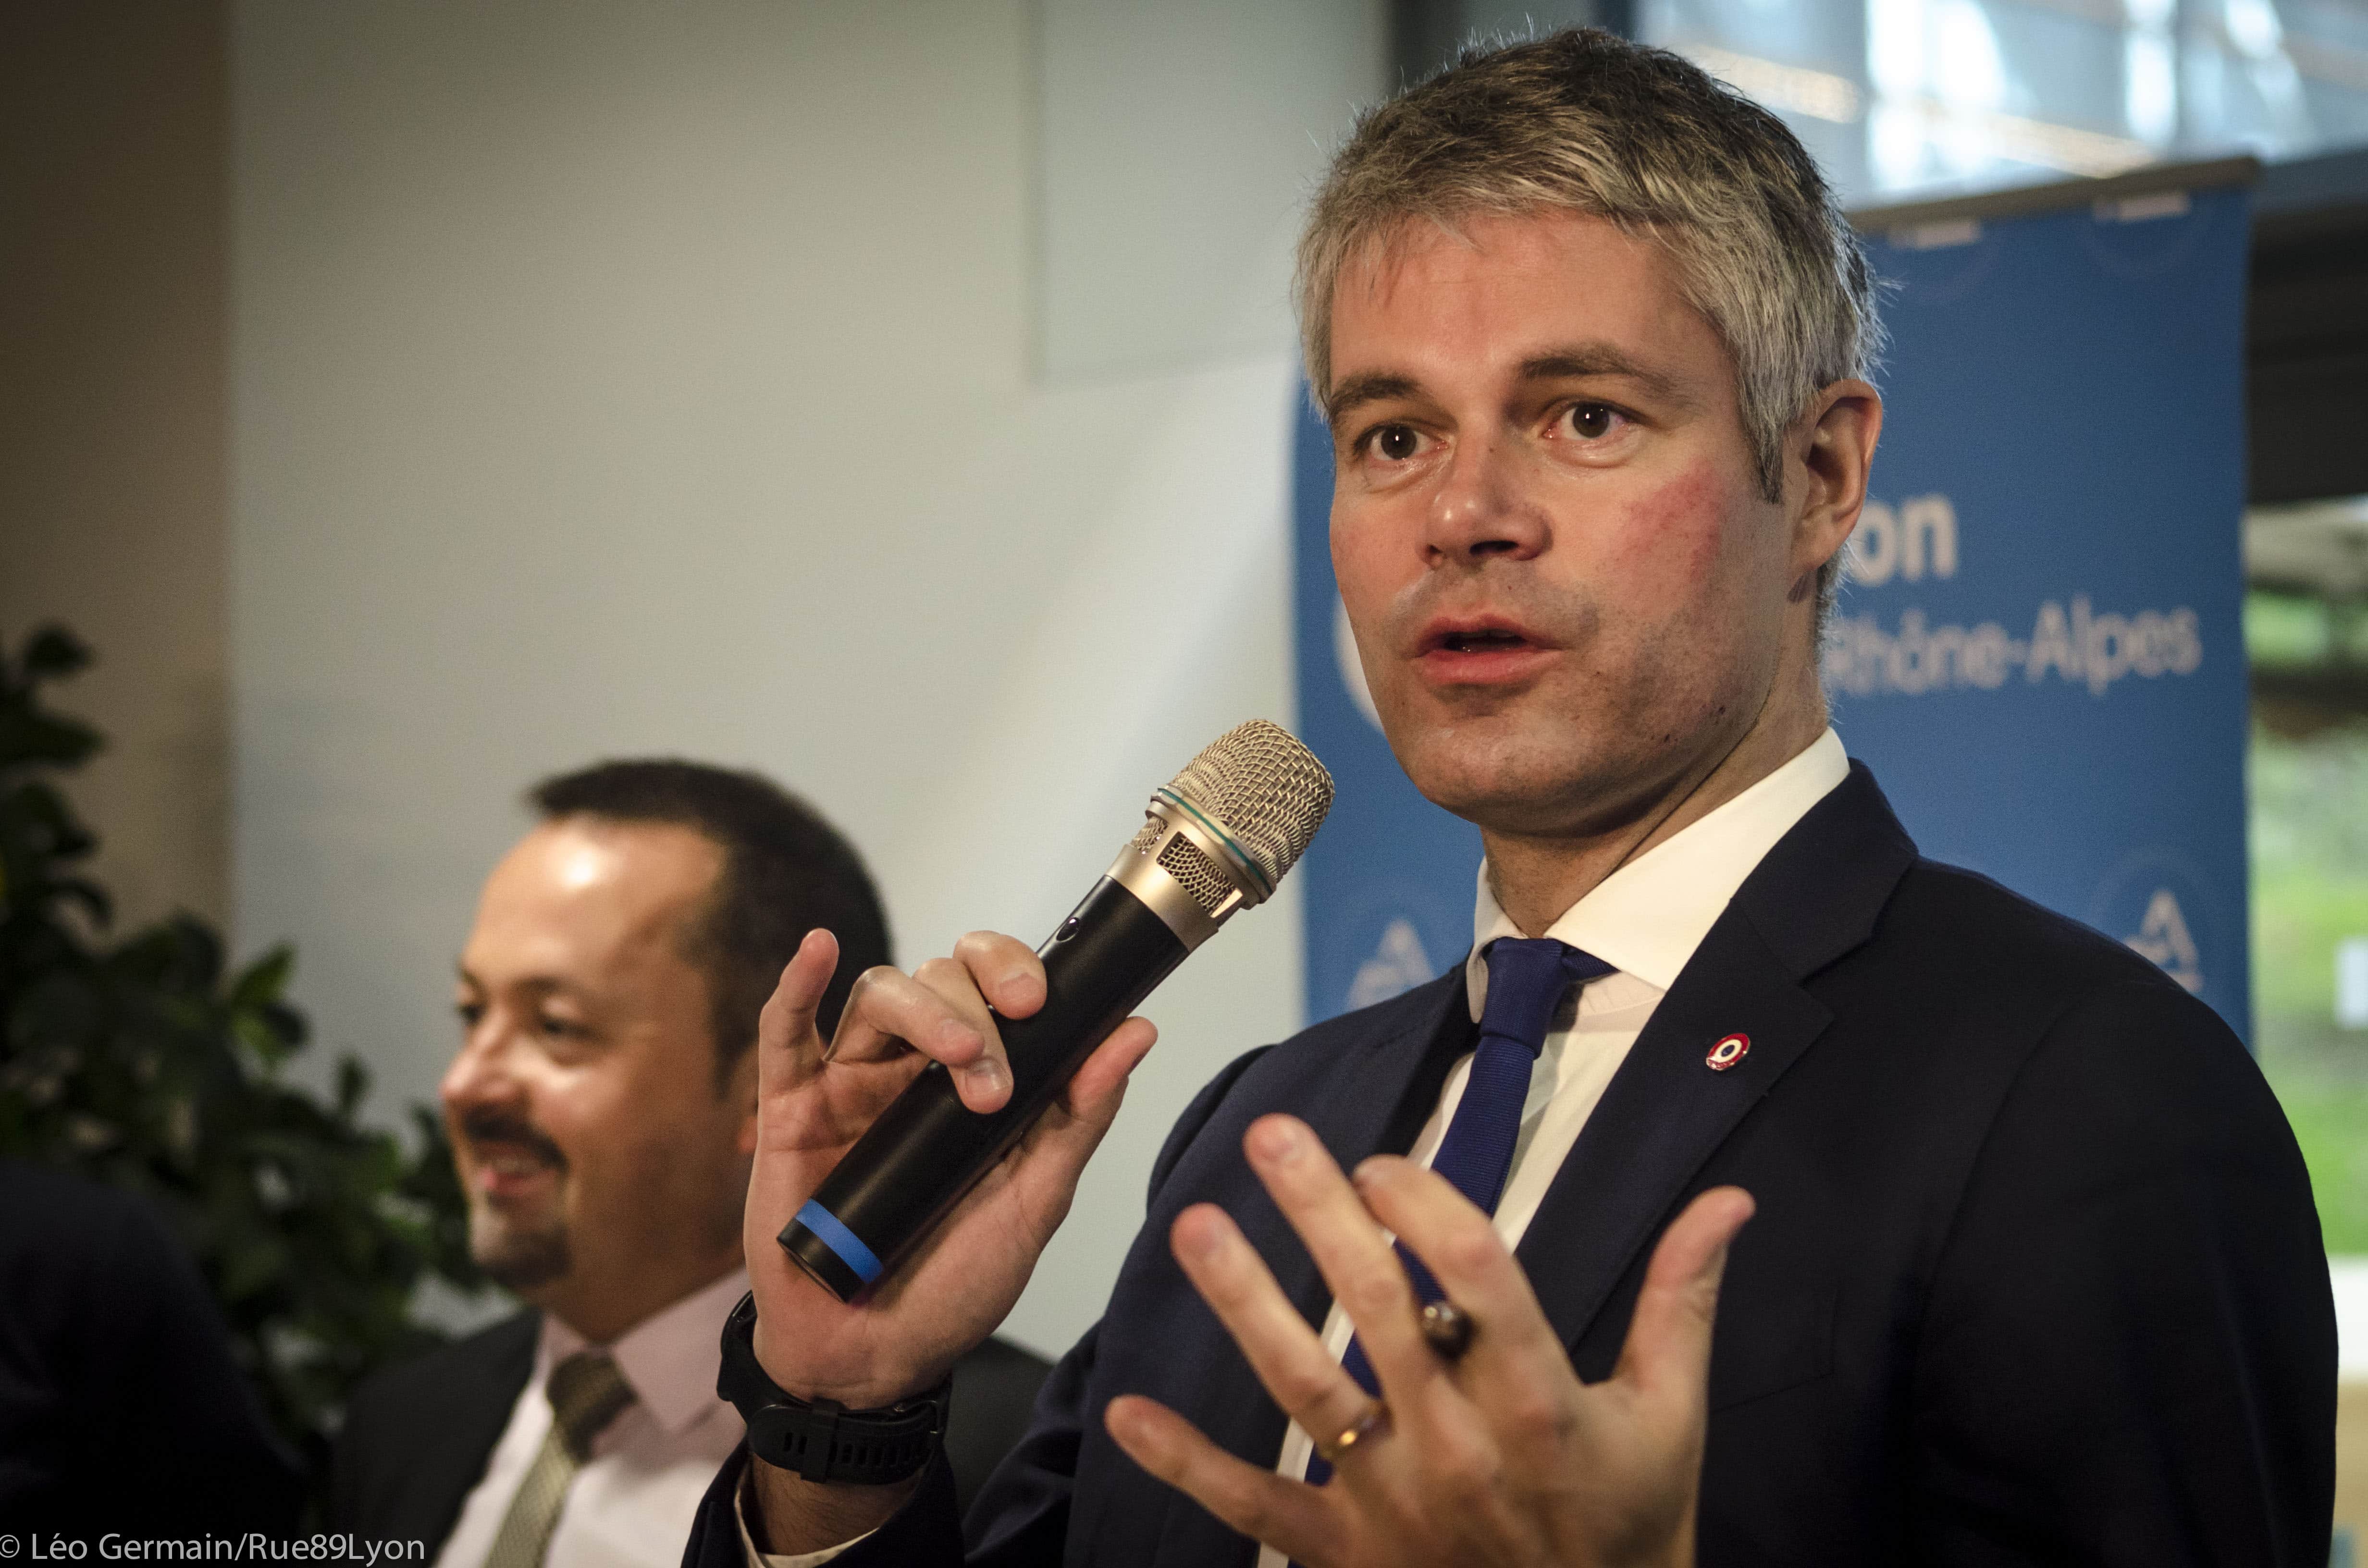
<point>1833,453</point>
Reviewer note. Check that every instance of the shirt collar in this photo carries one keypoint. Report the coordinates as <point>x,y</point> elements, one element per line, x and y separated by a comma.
<point>669,1359</point>
<point>1646,918</point>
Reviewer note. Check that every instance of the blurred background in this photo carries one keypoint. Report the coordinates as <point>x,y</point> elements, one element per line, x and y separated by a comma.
<point>409,400</point>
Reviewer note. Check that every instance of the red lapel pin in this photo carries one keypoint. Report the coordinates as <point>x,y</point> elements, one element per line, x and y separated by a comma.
<point>1728,1052</point>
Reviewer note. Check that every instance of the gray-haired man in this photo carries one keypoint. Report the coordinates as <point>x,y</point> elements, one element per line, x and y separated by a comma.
<point>2036,1275</point>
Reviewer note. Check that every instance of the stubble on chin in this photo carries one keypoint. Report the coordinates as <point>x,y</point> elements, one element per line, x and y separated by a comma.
<point>1512,782</point>
<point>1536,764</point>
<point>519,1257</point>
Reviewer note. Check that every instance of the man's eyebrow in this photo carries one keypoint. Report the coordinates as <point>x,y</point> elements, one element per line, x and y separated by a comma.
<point>1573,363</point>
<point>1358,390</point>
<point>1599,360</point>
<point>540,984</point>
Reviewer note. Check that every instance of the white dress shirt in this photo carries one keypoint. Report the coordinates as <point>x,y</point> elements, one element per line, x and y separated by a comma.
<point>633,1502</point>
<point>1644,920</point>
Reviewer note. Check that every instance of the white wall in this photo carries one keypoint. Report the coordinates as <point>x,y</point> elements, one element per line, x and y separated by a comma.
<point>611,379</point>
<point>1175,142</point>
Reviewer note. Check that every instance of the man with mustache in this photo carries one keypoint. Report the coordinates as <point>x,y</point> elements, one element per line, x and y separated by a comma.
<point>2033,1275</point>
<point>601,1109</point>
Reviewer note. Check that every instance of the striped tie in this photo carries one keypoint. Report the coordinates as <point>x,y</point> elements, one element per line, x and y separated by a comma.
<point>587,1393</point>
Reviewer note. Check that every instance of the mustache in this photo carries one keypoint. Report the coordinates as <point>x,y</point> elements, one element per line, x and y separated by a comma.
<point>490,1125</point>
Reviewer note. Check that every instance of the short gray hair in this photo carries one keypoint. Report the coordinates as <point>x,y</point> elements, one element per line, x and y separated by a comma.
<point>1585,122</point>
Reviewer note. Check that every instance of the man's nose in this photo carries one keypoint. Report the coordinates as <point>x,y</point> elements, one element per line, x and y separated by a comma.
<point>1480,509</point>
<point>479,1073</point>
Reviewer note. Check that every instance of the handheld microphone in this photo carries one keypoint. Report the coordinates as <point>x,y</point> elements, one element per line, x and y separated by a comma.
<point>1215,839</point>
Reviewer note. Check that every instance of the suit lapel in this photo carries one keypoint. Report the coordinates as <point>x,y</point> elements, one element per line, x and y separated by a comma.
<point>1666,1112</point>
<point>1812,898</point>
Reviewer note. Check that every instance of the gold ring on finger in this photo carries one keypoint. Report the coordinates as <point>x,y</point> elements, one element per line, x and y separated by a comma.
<point>1447,1329</point>
<point>1371,1422</point>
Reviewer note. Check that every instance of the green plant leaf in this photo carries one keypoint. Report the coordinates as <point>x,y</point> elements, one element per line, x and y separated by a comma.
<point>264,980</point>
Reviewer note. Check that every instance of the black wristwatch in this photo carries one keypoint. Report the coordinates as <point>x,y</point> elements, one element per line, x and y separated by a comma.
<point>822,1439</point>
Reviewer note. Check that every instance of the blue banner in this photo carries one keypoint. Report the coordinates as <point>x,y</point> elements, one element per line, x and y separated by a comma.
<point>2038,649</point>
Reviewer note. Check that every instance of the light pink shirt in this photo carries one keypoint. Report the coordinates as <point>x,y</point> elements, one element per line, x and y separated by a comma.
<point>633,1502</point>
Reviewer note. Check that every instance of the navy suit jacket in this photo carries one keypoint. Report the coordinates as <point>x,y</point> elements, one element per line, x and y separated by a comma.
<point>2036,1275</point>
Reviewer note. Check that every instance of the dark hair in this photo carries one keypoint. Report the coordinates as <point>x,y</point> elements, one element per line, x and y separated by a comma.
<point>785,873</point>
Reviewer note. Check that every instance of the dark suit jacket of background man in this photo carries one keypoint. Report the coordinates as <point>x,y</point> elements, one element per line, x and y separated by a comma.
<point>417,1435</point>
<point>121,1407</point>
<point>2035,1275</point>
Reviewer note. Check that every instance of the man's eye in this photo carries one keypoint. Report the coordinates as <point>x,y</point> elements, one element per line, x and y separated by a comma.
<point>1593,421</point>
<point>470,1012</point>
<point>1396,443</point>
<point>561,1028</point>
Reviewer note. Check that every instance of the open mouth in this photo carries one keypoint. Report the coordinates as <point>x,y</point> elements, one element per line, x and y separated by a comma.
<point>1483,640</point>
<point>507,1172</point>
<point>514,1163</point>
<point>1485,650</point>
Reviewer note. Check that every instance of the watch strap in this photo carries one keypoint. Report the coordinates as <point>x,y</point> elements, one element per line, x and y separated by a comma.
<point>822,1439</point>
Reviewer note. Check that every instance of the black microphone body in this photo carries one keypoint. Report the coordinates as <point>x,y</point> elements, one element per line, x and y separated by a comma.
<point>1214,840</point>
<point>928,1148</point>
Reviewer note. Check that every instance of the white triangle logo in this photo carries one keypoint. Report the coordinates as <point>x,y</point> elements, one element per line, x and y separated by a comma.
<point>1398,966</point>
<point>2163,937</point>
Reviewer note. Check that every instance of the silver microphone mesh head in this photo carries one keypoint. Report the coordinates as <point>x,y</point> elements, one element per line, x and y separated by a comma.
<point>1267,790</point>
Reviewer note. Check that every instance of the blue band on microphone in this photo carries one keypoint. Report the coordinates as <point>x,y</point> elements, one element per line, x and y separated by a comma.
<point>840,1240</point>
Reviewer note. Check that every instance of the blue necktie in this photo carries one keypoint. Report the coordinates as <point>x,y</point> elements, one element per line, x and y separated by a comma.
<point>1527,981</point>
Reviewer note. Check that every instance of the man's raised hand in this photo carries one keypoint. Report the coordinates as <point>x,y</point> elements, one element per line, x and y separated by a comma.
<point>1498,1456</point>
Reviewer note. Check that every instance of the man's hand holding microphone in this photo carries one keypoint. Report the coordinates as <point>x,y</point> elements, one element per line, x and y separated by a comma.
<point>814,1099</point>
